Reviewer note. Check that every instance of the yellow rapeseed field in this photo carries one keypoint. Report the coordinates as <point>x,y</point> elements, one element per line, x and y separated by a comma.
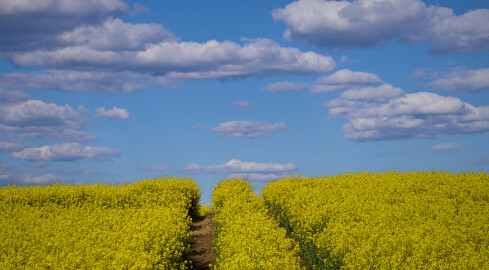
<point>246,236</point>
<point>392,220</point>
<point>135,226</point>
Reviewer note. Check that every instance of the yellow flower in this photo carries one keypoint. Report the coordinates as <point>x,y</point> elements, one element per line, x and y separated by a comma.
<point>390,220</point>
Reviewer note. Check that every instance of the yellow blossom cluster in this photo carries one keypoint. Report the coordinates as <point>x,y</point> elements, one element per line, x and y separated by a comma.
<point>143,225</point>
<point>391,220</point>
<point>246,236</point>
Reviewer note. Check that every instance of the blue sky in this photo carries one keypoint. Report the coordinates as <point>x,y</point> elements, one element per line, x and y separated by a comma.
<point>126,90</point>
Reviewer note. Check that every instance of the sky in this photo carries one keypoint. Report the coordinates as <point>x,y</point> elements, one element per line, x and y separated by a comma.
<point>99,90</point>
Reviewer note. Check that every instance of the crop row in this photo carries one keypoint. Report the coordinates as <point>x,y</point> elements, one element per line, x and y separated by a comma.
<point>144,225</point>
<point>246,236</point>
<point>392,220</point>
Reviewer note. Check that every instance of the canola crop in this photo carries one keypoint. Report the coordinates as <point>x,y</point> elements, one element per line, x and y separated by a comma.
<point>246,236</point>
<point>143,225</point>
<point>392,220</point>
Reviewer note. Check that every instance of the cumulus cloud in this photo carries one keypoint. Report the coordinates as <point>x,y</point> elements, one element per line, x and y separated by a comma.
<point>416,115</point>
<point>199,127</point>
<point>446,147</point>
<point>463,80</point>
<point>32,24</point>
<point>348,77</point>
<point>61,7</point>
<point>281,87</point>
<point>75,172</point>
<point>337,81</point>
<point>31,118</point>
<point>237,166</point>
<point>12,96</point>
<point>114,113</point>
<point>424,74</point>
<point>373,23</point>
<point>248,129</point>
<point>480,161</point>
<point>185,60</point>
<point>259,176</point>
<point>11,146</point>
<point>346,59</point>
<point>85,47</point>
<point>243,104</point>
<point>65,80</point>
<point>66,152</point>
<point>382,92</point>
<point>160,168</point>
<point>10,175</point>
<point>36,112</point>
<point>115,35</point>
<point>40,179</point>
<point>344,79</point>
<point>81,68</point>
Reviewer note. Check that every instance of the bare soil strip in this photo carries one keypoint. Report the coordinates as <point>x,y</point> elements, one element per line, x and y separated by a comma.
<point>201,253</point>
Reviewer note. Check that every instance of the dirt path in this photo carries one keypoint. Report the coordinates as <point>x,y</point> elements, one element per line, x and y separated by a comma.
<point>201,253</point>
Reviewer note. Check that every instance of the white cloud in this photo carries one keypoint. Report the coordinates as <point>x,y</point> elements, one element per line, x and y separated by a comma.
<point>445,147</point>
<point>61,7</point>
<point>422,73</point>
<point>66,152</point>
<point>348,77</point>
<point>346,59</point>
<point>29,24</point>
<point>319,88</point>
<point>85,47</point>
<point>30,111</point>
<point>36,119</point>
<point>112,82</point>
<point>463,80</point>
<point>160,168</point>
<point>340,80</point>
<point>199,127</point>
<point>259,176</point>
<point>281,87</point>
<point>12,96</point>
<point>385,91</point>
<point>480,161</point>
<point>114,113</point>
<point>451,33</point>
<point>10,175</point>
<point>246,129</point>
<point>11,146</point>
<point>416,115</point>
<point>237,166</point>
<point>41,179</point>
<point>115,35</point>
<point>138,8</point>
<point>180,61</point>
<point>75,172</point>
<point>344,79</point>
<point>243,104</point>
<point>373,23</point>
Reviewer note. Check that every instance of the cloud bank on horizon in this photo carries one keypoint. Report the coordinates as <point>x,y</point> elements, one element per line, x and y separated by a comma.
<point>96,54</point>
